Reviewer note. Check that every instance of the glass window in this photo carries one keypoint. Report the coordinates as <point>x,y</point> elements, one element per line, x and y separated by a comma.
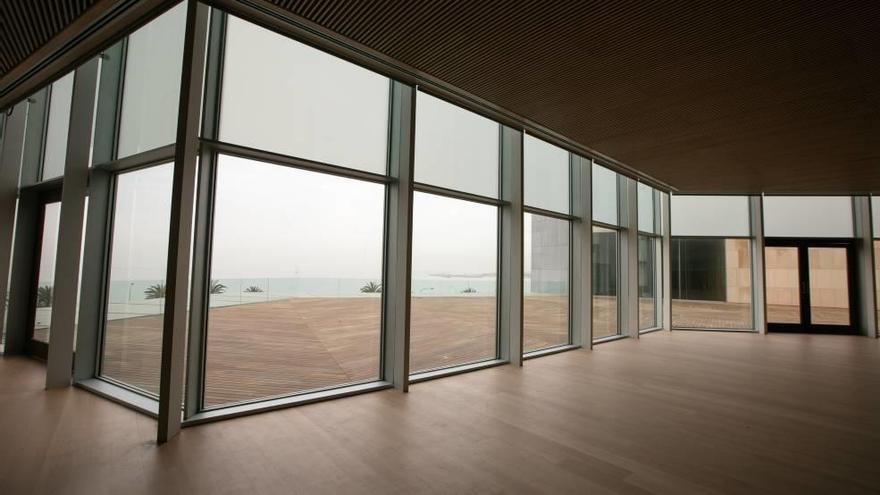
<point>808,216</point>
<point>46,274</point>
<point>711,283</point>
<point>296,100</point>
<point>546,244</point>
<point>715,216</point>
<point>605,276</point>
<point>546,175</point>
<point>455,149</point>
<point>454,282</point>
<point>136,288</point>
<point>605,195</point>
<point>151,93</point>
<point>647,206</point>
<point>296,282</point>
<point>649,280</point>
<point>55,154</point>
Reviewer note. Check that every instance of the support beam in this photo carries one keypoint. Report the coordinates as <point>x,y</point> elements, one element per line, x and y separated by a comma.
<point>398,257</point>
<point>759,282</point>
<point>59,364</point>
<point>866,298</point>
<point>180,233</point>
<point>581,252</point>
<point>10,166</point>
<point>511,262</point>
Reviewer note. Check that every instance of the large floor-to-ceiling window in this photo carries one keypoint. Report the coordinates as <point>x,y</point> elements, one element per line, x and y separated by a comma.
<point>606,252</point>
<point>39,180</point>
<point>546,245</point>
<point>149,62</point>
<point>453,317</point>
<point>135,291</point>
<point>649,260</point>
<point>295,283</point>
<point>711,262</point>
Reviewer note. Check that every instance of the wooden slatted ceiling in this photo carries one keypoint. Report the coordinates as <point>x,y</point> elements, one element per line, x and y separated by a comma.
<point>26,25</point>
<point>720,96</point>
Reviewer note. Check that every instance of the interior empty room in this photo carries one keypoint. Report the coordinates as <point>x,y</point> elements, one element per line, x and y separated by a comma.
<point>326,246</point>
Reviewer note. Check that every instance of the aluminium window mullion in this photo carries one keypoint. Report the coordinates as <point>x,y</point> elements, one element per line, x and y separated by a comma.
<point>171,378</point>
<point>204,216</point>
<point>510,303</point>
<point>581,267</point>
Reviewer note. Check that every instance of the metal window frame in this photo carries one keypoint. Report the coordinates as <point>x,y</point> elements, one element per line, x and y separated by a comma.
<point>757,282</point>
<point>620,300</point>
<point>574,202</point>
<point>391,353</point>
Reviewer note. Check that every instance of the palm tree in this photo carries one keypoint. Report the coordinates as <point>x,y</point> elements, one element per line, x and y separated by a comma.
<point>371,288</point>
<point>44,296</point>
<point>217,287</point>
<point>155,291</point>
<point>253,288</point>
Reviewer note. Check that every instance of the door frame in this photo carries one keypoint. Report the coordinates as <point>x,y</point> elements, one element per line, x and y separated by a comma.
<point>806,325</point>
<point>36,347</point>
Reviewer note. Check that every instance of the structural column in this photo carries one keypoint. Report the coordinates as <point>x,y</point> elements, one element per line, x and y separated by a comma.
<point>865,267</point>
<point>398,259</point>
<point>581,252</point>
<point>180,234</point>
<point>59,363</point>
<point>628,293</point>
<point>511,316</point>
<point>759,283</point>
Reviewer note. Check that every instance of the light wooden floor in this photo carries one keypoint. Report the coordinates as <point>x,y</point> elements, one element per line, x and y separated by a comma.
<point>674,413</point>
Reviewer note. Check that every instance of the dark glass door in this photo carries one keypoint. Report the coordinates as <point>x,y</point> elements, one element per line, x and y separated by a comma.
<point>810,286</point>
<point>42,291</point>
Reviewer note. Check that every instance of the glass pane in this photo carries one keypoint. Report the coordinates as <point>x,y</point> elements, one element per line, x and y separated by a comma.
<point>711,283</point>
<point>546,175</point>
<point>151,88</point>
<point>605,276</point>
<point>46,275</point>
<point>648,281</point>
<point>138,265</point>
<point>783,284</point>
<point>811,216</point>
<point>545,288</point>
<point>604,195</point>
<point>647,203</point>
<point>296,282</point>
<point>454,282</point>
<point>829,286</point>
<point>716,216</point>
<point>296,100</point>
<point>455,148</point>
<point>55,154</point>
